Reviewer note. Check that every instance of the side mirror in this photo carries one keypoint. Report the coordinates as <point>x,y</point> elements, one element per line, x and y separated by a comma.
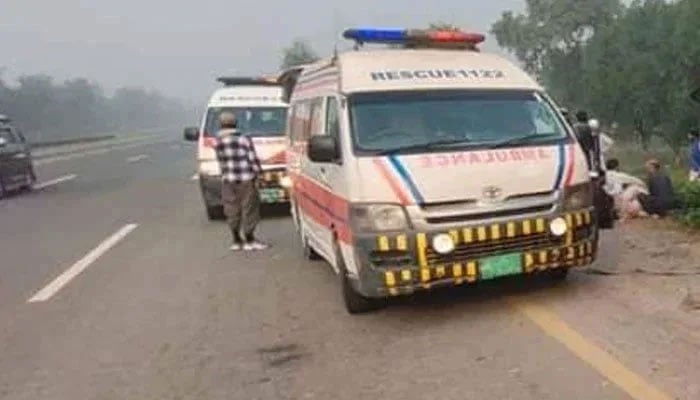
<point>323,149</point>
<point>191,134</point>
<point>3,142</point>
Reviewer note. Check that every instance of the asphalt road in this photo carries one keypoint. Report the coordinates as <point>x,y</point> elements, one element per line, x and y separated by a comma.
<point>113,285</point>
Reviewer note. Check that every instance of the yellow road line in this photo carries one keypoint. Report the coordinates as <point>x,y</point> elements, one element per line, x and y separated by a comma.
<point>633,384</point>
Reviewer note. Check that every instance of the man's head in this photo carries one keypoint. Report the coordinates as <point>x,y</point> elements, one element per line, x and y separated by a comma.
<point>227,120</point>
<point>653,165</point>
<point>612,164</point>
<point>582,116</point>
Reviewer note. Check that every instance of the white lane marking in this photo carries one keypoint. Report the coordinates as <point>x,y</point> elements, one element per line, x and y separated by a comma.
<point>62,280</point>
<point>50,160</point>
<point>56,181</point>
<point>137,158</point>
<point>195,177</point>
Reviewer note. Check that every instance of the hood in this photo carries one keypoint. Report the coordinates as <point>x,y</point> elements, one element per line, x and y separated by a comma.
<point>470,175</point>
<point>271,150</point>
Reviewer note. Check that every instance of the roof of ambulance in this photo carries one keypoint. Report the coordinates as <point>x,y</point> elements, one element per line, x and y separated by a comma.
<point>408,69</point>
<point>247,96</point>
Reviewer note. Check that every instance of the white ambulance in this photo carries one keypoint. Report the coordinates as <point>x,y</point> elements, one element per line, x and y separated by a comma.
<point>428,164</point>
<point>261,114</point>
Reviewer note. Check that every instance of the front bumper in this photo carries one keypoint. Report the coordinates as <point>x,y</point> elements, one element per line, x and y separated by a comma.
<point>269,188</point>
<point>403,263</point>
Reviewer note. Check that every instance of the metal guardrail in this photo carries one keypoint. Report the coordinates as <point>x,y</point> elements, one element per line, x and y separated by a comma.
<point>63,142</point>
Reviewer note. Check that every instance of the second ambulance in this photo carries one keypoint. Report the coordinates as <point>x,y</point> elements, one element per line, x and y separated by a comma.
<point>261,114</point>
<point>429,163</point>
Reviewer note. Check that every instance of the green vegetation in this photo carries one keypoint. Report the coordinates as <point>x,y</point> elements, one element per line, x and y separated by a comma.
<point>45,110</point>
<point>635,67</point>
<point>629,65</point>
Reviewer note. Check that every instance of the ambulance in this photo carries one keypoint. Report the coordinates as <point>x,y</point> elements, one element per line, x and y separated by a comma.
<point>261,114</point>
<point>427,163</point>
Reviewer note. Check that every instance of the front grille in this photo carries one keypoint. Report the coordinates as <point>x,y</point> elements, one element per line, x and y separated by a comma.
<point>489,214</point>
<point>477,250</point>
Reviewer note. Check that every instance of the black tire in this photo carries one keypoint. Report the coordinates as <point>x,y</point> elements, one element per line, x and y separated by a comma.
<point>558,275</point>
<point>215,213</point>
<point>3,192</point>
<point>308,251</point>
<point>29,181</point>
<point>354,302</point>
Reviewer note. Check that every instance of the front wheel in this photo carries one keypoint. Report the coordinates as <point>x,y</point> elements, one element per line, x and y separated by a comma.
<point>355,303</point>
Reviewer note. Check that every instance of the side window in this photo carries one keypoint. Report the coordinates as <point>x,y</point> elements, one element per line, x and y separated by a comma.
<point>332,119</point>
<point>316,123</point>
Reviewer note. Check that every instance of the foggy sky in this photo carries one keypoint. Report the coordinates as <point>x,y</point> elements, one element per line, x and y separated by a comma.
<point>180,46</point>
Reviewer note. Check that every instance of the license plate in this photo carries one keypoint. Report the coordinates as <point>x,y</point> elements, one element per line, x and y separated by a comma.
<point>498,266</point>
<point>271,195</point>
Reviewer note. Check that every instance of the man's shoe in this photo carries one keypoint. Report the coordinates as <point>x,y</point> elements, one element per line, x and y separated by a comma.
<point>236,246</point>
<point>255,245</point>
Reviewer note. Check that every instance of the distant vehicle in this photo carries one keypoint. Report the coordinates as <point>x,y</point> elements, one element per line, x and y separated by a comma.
<point>432,164</point>
<point>261,114</point>
<point>16,166</point>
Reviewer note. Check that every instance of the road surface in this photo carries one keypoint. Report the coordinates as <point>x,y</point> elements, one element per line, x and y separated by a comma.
<point>113,285</point>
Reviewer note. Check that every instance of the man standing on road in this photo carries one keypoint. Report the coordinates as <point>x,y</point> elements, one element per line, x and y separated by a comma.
<point>584,134</point>
<point>240,169</point>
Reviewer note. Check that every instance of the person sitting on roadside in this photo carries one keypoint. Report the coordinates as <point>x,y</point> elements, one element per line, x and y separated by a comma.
<point>625,190</point>
<point>661,198</point>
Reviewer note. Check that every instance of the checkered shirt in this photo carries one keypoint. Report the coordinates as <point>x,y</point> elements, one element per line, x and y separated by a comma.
<point>237,157</point>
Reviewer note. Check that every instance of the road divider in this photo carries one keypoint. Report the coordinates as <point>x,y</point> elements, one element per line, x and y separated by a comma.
<point>56,181</point>
<point>62,280</point>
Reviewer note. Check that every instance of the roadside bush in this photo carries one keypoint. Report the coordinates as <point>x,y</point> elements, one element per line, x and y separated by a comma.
<point>689,196</point>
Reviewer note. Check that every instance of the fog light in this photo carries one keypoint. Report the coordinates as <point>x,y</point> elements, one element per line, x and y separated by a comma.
<point>558,226</point>
<point>443,243</point>
<point>286,182</point>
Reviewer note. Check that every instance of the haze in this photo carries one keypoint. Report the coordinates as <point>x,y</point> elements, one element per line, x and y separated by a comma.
<point>179,47</point>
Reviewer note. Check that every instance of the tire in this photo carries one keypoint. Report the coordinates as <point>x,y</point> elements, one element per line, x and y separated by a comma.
<point>558,275</point>
<point>354,302</point>
<point>307,250</point>
<point>3,192</point>
<point>215,213</point>
<point>29,180</point>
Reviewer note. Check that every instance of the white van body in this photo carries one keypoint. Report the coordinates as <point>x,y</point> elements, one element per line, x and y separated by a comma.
<point>476,207</point>
<point>261,114</point>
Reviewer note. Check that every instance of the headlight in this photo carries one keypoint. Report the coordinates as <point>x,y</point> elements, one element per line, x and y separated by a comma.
<point>578,196</point>
<point>210,168</point>
<point>378,217</point>
<point>286,182</point>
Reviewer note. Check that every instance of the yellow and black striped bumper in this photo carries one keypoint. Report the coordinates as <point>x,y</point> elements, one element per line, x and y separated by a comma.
<point>406,262</point>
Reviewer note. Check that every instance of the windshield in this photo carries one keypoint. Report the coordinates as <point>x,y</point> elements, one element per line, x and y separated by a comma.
<point>383,122</point>
<point>254,121</point>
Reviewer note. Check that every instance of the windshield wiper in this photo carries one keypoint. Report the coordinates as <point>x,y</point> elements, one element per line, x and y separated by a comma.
<point>521,139</point>
<point>425,146</point>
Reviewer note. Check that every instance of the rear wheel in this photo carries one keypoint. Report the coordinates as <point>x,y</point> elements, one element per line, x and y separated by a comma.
<point>308,251</point>
<point>215,213</point>
<point>3,193</point>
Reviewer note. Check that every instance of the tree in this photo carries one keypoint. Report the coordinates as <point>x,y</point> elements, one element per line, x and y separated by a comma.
<point>298,53</point>
<point>549,39</point>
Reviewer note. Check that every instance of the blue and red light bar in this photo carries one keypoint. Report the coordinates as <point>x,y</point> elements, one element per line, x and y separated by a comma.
<point>412,36</point>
